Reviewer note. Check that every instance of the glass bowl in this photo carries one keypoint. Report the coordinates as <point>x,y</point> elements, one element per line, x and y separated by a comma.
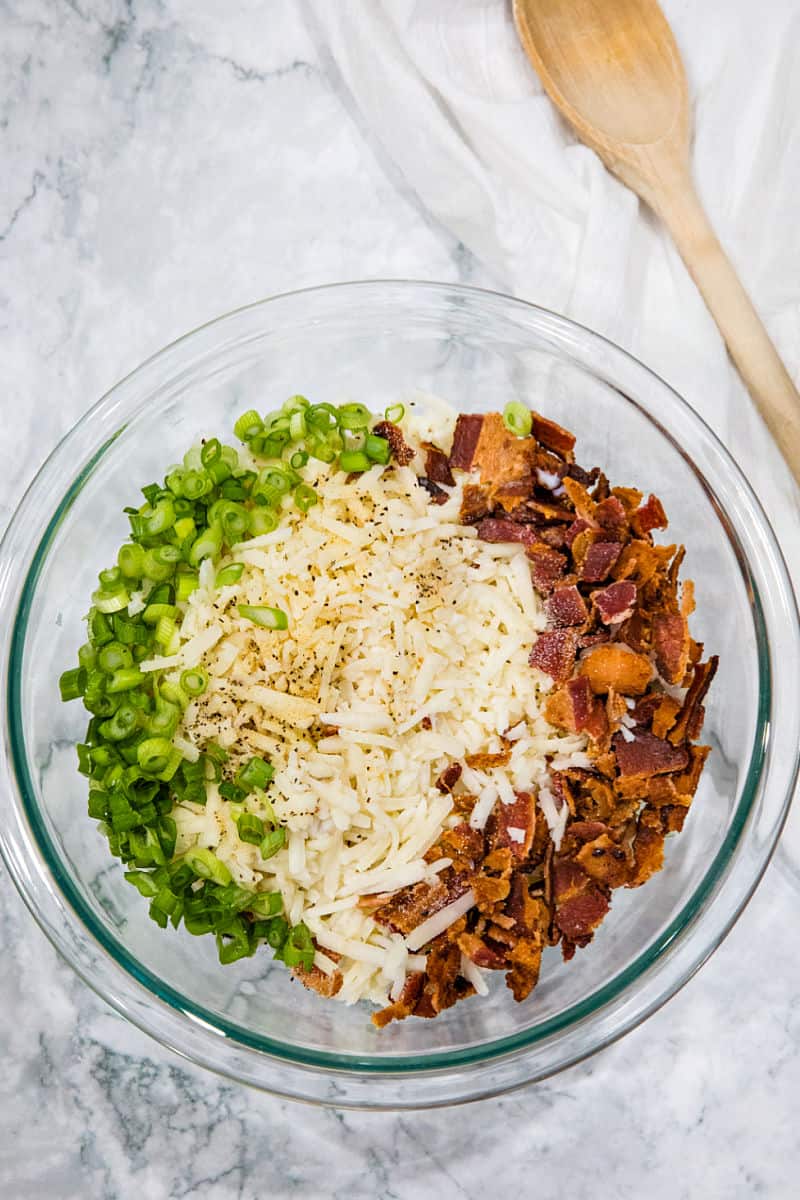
<point>379,342</point>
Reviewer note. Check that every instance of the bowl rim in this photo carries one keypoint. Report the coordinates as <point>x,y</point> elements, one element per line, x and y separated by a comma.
<point>386,1063</point>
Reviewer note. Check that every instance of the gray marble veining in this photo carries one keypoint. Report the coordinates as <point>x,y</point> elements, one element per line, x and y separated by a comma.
<point>161,164</point>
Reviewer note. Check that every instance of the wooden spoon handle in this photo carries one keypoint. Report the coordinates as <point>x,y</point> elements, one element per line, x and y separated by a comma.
<point>749,344</point>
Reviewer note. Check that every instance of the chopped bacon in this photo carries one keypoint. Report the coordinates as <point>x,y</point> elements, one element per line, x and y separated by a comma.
<point>483,953</point>
<point>616,602</point>
<point>648,848</point>
<point>525,959</point>
<point>437,495</point>
<point>501,456</point>
<point>553,436</point>
<point>492,529</point>
<point>487,762</point>
<point>519,816</point>
<point>449,777</point>
<point>605,861</point>
<point>474,503</point>
<point>465,439</point>
<point>574,708</point>
<point>493,882</point>
<point>580,904</point>
<point>410,906</point>
<point>650,516</point>
<point>610,515</point>
<point>599,560</point>
<point>547,566</point>
<point>664,715</point>
<point>690,719</point>
<point>405,1005</point>
<point>437,466</point>
<point>554,653</point>
<point>397,443</point>
<point>615,666</point>
<point>577,526</point>
<point>640,561</point>
<point>671,645</point>
<point>317,981</point>
<point>648,755</point>
<point>565,607</point>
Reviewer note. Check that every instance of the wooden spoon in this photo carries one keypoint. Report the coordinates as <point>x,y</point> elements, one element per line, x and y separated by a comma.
<point>613,69</point>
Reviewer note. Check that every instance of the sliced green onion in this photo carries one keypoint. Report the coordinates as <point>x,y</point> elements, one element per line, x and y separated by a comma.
<point>322,417</point>
<point>164,721</point>
<point>232,792</point>
<point>106,603</point>
<point>207,545</point>
<point>305,497</point>
<point>255,774</point>
<point>143,882</point>
<point>277,932</point>
<point>114,655</point>
<point>206,865</point>
<point>266,904</point>
<point>261,614</point>
<point>166,630</point>
<point>156,568</point>
<point>210,451</point>
<point>122,724</point>
<point>273,842</point>
<point>72,684</point>
<point>262,520</point>
<point>184,528</point>
<point>298,949</point>
<point>395,413</point>
<point>322,448</point>
<point>353,416</point>
<point>153,754</point>
<point>241,944</point>
<point>194,681</point>
<point>87,656</point>
<point>125,679</point>
<point>196,484</point>
<point>274,480</point>
<point>377,449</point>
<point>173,693</point>
<point>185,583</point>
<point>354,460</point>
<point>228,575</point>
<point>298,460</point>
<point>155,612</point>
<point>517,418</point>
<point>248,426</point>
<point>131,560</point>
<point>160,518</point>
<point>99,628</point>
<point>251,828</point>
<point>295,404</point>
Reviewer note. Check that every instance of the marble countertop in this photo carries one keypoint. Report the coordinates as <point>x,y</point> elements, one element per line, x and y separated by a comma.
<point>161,165</point>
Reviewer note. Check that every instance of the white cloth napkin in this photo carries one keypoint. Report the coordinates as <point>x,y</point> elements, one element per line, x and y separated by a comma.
<point>449,96</point>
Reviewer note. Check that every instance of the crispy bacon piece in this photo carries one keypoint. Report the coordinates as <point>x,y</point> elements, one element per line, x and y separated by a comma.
<point>565,607</point>
<point>648,755</point>
<point>437,466</point>
<point>401,452</point>
<point>648,848</point>
<point>449,777</point>
<point>502,457</point>
<point>508,821</point>
<point>650,516</point>
<point>526,960</point>
<point>580,904</point>
<point>437,495</point>
<point>486,762</point>
<point>412,905</point>
<point>615,666</point>
<point>578,526</point>
<point>553,436</point>
<point>492,884</point>
<point>616,602</point>
<point>406,1003</point>
<point>554,653</point>
<point>465,440</point>
<point>547,566</point>
<point>604,860</point>
<point>665,711</point>
<point>671,645</point>
<point>492,529</point>
<point>574,708</point>
<point>464,845</point>
<point>610,515</point>
<point>474,503</point>
<point>483,953</point>
<point>599,561</point>
<point>317,981</point>
<point>640,561</point>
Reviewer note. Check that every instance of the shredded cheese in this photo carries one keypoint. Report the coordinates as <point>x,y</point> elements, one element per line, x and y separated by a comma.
<point>407,649</point>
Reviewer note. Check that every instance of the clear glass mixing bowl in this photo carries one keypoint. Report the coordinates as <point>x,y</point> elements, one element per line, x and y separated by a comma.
<point>378,342</point>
